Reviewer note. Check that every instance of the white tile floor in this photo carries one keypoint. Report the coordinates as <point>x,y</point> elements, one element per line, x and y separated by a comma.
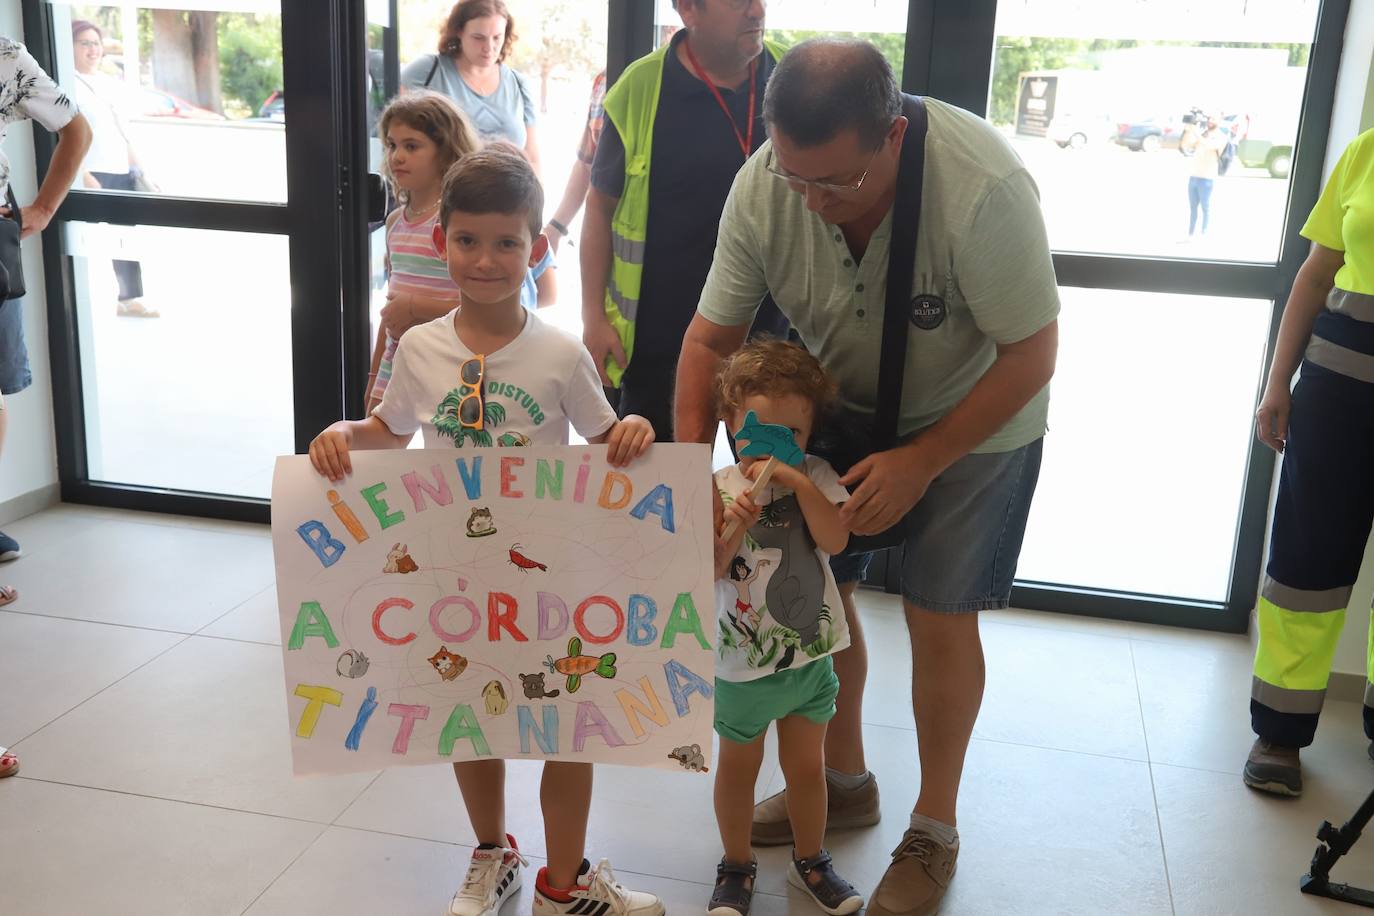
<point>1102,778</point>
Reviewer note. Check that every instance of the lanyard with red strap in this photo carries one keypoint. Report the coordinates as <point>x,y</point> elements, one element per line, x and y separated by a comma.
<point>746,140</point>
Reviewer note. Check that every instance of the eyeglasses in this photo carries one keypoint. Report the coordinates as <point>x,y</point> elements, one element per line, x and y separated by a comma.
<point>832,187</point>
<point>471,408</point>
<point>88,43</point>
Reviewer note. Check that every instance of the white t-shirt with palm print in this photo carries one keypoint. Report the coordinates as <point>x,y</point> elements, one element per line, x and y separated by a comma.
<point>533,388</point>
<point>777,607</point>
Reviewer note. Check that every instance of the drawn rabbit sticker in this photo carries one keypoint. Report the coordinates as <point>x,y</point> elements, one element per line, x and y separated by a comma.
<point>495,697</point>
<point>398,560</point>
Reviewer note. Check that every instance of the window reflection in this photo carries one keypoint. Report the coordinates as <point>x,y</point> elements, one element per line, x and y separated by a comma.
<point>186,102</point>
<point>1161,128</point>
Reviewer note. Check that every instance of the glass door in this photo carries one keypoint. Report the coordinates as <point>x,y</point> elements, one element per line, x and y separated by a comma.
<point>1177,147</point>
<point>1152,500</point>
<point>195,272</point>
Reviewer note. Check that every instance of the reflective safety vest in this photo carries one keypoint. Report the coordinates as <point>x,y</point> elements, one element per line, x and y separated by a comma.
<point>632,105</point>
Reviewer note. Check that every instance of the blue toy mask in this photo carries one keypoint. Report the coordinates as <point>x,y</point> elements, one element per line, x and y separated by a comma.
<point>767,439</point>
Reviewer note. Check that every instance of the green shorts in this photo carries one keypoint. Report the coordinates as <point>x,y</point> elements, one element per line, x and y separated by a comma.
<point>745,709</point>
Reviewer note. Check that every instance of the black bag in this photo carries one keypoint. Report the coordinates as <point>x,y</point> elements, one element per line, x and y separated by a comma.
<point>432,70</point>
<point>845,442</point>
<point>11,270</point>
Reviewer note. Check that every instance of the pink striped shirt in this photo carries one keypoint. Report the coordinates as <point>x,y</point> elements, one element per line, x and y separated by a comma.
<point>416,268</point>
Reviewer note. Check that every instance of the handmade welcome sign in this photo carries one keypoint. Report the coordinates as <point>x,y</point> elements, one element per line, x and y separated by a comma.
<point>441,606</point>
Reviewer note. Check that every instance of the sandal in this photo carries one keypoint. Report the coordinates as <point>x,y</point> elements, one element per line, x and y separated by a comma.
<point>7,594</point>
<point>9,763</point>
<point>832,893</point>
<point>734,888</point>
<point>133,308</point>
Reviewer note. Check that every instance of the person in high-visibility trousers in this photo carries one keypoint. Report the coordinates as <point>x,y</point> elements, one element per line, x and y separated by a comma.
<point>1325,509</point>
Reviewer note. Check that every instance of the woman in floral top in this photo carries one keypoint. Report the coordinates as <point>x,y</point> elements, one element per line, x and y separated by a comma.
<point>27,93</point>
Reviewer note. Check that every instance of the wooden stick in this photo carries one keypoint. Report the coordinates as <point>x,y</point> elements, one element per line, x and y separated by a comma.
<point>753,491</point>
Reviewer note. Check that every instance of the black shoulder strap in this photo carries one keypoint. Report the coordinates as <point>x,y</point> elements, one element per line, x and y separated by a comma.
<point>432,70</point>
<point>901,265</point>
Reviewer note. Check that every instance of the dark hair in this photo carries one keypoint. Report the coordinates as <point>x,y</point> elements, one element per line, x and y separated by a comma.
<point>735,564</point>
<point>436,116</point>
<point>85,25</point>
<point>774,368</point>
<point>824,86</point>
<point>451,35</point>
<point>495,179</point>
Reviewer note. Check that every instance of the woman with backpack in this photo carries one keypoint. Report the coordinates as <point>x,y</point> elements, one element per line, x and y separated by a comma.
<point>1207,147</point>
<point>470,69</point>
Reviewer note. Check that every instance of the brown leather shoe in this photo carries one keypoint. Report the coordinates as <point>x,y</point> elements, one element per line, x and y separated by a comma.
<point>844,810</point>
<point>916,881</point>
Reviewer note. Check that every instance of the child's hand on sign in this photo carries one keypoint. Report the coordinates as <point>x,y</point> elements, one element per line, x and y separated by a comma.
<point>744,512</point>
<point>329,452</point>
<point>628,439</point>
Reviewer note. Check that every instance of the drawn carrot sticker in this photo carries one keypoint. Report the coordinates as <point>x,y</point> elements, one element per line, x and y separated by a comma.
<point>577,666</point>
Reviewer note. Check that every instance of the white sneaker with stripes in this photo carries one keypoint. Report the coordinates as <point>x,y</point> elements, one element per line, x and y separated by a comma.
<point>493,878</point>
<point>599,894</point>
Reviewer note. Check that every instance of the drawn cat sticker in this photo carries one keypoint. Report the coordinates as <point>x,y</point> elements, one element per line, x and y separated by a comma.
<point>448,664</point>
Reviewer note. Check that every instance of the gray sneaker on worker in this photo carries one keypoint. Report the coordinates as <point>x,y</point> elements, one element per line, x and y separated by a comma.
<point>916,881</point>
<point>1273,768</point>
<point>845,809</point>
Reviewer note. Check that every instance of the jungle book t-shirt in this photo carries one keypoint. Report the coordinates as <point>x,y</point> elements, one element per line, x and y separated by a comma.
<point>532,388</point>
<point>777,607</point>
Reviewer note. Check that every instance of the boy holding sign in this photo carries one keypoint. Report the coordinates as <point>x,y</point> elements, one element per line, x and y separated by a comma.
<point>491,371</point>
<point>779,616</point>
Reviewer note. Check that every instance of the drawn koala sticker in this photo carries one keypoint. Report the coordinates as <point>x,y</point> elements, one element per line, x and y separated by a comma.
<point>691,758</point>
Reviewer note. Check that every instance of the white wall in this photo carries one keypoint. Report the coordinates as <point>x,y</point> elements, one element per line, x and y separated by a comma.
<point>28,463</point>
<point>1352,83</point>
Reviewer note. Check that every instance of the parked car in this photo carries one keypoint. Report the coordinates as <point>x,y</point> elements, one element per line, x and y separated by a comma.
<point>1077,131</point>
<point>159,104</point>
<point>1265,154</point>
<point>1150,134</point>
<point>274,109</point>
<point>1266,143</point>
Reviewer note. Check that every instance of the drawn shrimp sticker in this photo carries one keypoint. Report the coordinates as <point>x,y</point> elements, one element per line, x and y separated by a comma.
<point>577,666</point>
<point>524,563</point>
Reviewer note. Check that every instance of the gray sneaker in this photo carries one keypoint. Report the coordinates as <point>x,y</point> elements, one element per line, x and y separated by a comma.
<point>1273,768</point>
<point>916,881</point>
<point>844,810</point>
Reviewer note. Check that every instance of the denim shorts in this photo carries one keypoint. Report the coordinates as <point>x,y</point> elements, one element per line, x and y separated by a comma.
<point>14,356</point>
<point>962,540</point>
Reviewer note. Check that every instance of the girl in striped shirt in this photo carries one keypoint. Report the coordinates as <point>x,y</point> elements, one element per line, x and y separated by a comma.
<point>424,134</point>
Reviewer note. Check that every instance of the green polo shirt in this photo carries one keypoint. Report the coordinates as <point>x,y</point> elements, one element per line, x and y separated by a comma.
<point>983,252</point>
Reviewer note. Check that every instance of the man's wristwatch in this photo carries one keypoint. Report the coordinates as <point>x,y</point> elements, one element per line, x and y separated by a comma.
<point>562,229</point>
